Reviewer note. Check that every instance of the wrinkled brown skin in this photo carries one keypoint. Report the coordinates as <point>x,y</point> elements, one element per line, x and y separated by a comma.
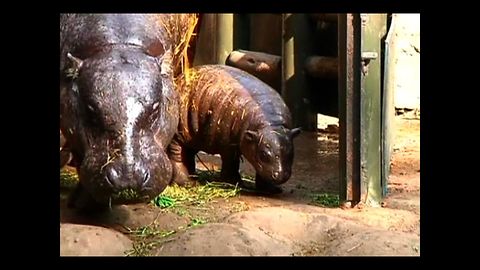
<point>119,110</point>
<point>65,154</point>
<point>227,111</point>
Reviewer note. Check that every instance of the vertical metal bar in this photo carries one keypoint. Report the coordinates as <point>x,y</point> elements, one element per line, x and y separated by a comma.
<point>295,37</point>
<point>342,108</point>
<point>388,109</point>
<point>288,67</point>
<point>241,31</point>
<point>349,106</point>
<point>205,51</point>
<point>373,30</point>
<point>266,33</point>
<point>224,36</point>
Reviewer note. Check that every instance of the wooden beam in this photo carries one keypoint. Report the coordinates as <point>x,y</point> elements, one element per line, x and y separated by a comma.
<point>322,67</point>
<point>266,67</point>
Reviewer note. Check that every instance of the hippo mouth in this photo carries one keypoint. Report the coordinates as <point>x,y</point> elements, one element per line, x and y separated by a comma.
<point>279,178</point>
<point>106,193</point>
<point>127,195</point>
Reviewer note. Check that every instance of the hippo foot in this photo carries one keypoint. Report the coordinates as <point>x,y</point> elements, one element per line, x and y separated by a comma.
<point>181,175</point>
<point>65,158</point>
<point>184,181</point>
<point>267,188</point>
<point>83,202</point>
<point>231,179</point>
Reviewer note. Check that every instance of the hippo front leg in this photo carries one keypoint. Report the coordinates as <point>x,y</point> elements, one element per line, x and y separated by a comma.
<point>82,201</point>
<point>65,154</point>
<point>265,186</point>
<point>230,167</point>
<point>183,163</point>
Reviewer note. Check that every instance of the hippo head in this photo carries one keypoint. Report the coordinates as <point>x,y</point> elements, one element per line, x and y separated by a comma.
<point>119,110</point>
<point>270,151</point>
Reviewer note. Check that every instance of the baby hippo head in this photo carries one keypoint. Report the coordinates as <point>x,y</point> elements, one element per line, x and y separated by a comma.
<point>270,150</point>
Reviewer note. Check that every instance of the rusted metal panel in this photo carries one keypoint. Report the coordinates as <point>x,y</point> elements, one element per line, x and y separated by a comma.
<point>349,29</point>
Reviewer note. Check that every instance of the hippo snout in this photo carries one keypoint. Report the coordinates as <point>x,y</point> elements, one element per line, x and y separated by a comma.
<point>145,176</point>
<point>280,177</point>
<point>118,179</point>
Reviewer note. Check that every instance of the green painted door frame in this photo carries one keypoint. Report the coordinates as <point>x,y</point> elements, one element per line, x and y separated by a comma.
<point>363,128</point>
<point>373,31</point>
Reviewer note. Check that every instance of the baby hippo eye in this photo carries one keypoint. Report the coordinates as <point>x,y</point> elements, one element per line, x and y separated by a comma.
<point>264,156</point>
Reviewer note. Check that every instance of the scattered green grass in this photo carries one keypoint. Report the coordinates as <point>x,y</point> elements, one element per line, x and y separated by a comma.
<point>163,201</point>
<point>200,194</point>
<point>147,238</point>
<point>325,200</point>
<point>126,195</point>
<point>196,221</point>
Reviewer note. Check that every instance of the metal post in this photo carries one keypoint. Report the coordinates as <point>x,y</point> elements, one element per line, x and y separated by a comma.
<point>295,38</point>
<point>224,36</point>
<point>373,30</point>
<point>349,28</point>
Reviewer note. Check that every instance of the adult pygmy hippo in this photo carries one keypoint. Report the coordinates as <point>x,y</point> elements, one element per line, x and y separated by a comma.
<point>227,111</point>
<point>118,105</point>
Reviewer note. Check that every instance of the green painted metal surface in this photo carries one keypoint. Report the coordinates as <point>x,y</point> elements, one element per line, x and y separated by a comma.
<point>224,37</point>
<point>373,31</point>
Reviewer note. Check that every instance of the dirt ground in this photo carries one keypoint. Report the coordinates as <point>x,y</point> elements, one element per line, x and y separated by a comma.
<point>288,224</point>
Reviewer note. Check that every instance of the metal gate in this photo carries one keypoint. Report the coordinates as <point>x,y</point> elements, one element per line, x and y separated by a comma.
<point>365,108</point>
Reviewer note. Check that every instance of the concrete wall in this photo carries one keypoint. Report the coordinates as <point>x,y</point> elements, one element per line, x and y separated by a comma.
<point>405,53</point>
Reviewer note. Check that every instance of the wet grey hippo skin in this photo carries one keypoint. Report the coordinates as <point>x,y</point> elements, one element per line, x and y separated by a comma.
<point>119,108</point>
<point>227,111</point>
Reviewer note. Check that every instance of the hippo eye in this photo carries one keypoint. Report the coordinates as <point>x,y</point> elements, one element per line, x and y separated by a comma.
<point>90,107</point>
<point>264,156</point>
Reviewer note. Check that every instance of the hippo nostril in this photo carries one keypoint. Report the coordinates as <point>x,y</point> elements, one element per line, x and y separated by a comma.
<point>111,177</point>
<point>146,179</point>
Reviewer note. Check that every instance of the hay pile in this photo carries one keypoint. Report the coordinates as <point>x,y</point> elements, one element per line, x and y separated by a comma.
<point>179,29</point>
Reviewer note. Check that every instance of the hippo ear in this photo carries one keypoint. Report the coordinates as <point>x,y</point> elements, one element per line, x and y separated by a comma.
<point>250,135</point>
<point>77,63</point>
<point>295,132</point>
<point>167,62</point>
<point>76,66</point>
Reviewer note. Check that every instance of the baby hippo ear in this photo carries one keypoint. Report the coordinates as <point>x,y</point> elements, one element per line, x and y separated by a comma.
<point>295,132</point>
<point>77,63</point>
<point>250,135</point>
